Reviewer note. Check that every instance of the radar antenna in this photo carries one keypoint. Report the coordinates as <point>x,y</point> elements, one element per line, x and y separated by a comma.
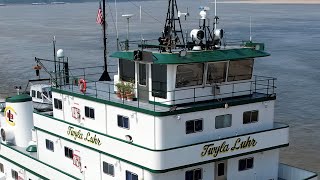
<point>172,34</point>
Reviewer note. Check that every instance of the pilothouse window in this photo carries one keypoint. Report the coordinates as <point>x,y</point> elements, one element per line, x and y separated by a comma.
<point>189,75</point>
<point>240,70</point>
<point>126,70</point>
<point>217,72</point>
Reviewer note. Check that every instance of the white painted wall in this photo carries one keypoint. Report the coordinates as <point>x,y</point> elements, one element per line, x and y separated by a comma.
<point>161,160</point>
<point>141,126</point>
<point>57,158</point>
<point>36,166</point>
<point>58,113</point>
<point>99,123</point>
<point>265,166</point>
<point>171,132</point>
<point>8,166</point>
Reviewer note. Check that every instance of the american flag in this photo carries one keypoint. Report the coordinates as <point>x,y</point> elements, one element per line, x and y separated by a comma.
<point>99,19</point>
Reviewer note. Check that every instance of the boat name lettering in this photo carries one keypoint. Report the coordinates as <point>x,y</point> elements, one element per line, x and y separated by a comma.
<point>88,137</point>
<point>214,150</point>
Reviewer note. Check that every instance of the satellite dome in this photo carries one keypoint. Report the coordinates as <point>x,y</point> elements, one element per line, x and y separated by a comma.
<point>60,53</point>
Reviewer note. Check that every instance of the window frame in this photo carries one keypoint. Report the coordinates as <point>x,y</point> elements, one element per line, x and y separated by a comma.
<point>14,174</point>
<point>67,153</point>
<point>39,96</point>
<point>1,167</point>
<point>132,174</point>
<point>108,168</point>
<point>193,86</point>
<point>33,93</point>
<point>194,126</point>
<point>57,103</point>
<point>48,143</point>
<point>250,120</point>
<point>215,121</point>
<point>246,164</point>
<point>193,173</point>
<point>90,115</point>
<point>122,118</point>
<point>234,78</point>
<point>225,73</point>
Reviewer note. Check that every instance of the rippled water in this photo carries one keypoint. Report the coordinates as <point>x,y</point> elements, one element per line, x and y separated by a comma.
<point>291,34</point>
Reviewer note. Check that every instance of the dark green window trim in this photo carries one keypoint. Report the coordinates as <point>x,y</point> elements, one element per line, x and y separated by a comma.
<point>158,150</point>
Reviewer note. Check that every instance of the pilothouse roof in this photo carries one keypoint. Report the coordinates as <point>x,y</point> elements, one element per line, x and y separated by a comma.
<point>196,56</point>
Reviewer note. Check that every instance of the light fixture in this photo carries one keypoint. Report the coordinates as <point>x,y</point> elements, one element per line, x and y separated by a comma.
<point>129,138</point>
<point>226,105</point>
<point>178,117</point>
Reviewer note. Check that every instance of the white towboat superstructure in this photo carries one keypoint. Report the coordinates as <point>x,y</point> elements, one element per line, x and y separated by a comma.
<point>178,110</point>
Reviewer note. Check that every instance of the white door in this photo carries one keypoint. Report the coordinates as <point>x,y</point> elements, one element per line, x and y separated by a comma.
<point>221,170</point>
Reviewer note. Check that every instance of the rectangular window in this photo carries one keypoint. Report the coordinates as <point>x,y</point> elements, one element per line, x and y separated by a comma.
<point>195,174</point>
<point>49,145</point>
<point>189,75</point>
<point>14,174</point>
<point>143,74</point>
<point>108,168</point>
<point>245,164</point>
<point>217,72</point>
<point>123,122</point>
<point>223,121</point>
<point>250,117</point>
<point>89,112</point>
<point>68,152</point>
<point>1,167</point>
<point>127,70</point>
<point>57,103</point>
<point>159,80</point>
<point>194,126</point>
<point>39,95</point>
<point>33,93</point>
<point>240,70</point>
<point>221,169</point>
<point>131,176</point>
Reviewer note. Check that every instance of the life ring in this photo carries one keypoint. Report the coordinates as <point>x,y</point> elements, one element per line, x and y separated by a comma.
<point>83,85</point>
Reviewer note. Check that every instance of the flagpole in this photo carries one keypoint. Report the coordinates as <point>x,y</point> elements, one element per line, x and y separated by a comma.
<point>105,76</point>
<point>104,35</point>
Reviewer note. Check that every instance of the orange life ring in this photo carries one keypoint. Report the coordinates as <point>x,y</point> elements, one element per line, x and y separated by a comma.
<point>83,85</point>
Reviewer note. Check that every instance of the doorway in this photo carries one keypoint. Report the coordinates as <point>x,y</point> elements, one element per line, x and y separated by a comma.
<point>143,84</point>
<point>221,170</point>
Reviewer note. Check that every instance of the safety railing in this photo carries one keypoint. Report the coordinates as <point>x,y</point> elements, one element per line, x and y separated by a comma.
<point>259,86</point>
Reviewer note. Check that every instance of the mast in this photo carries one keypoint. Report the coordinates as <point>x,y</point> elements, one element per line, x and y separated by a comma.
<point>171,33</point>
<point>105,76</point>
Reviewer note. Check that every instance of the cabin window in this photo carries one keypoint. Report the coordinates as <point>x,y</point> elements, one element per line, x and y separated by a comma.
<point>221,169</point>
<point>223,121</point>
<point>45,93</point>
<point>49,145</point>
<point>50,94</point>
<point>217,72</point>
<point>1,167</point>
<point>245,164</point>
<point>195,174</point>
<point>250,117</point>
<point>57,103</point>
<point>240,70</point>
<point>68,152</point>
<point>89,112</point>
<point>33,93</point>
<point>123,122</point>
<point>194,126</point>
<point>189,75</point>
<point>131,176</point>
<point>127,70</point>
<point>143,74</point>
<point>108,168</point>
<point>39,95</point>
<point>14,174</point>
<point>159,80</point>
